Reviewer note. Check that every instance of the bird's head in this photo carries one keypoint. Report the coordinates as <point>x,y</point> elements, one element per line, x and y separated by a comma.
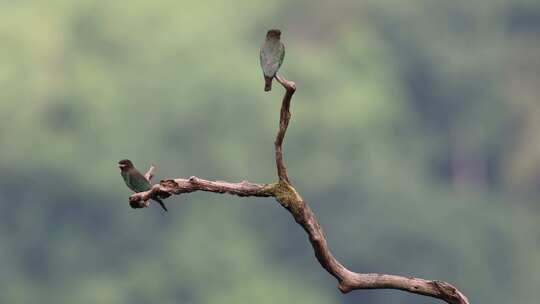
<point>125,164</point>
<point>273,34</point>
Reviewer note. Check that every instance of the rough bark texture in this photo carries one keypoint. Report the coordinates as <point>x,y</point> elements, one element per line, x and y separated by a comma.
<point>288,197</point>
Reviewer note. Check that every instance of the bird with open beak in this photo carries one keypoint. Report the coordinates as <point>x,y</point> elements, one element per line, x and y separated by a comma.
<point>272,54</point>
<point>135,180</point>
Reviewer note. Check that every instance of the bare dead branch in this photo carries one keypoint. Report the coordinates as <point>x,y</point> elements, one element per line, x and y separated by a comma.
<point>289,198</point>
<point>178,186</point>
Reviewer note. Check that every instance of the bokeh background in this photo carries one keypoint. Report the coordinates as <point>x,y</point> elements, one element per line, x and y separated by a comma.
<point>415,137</point>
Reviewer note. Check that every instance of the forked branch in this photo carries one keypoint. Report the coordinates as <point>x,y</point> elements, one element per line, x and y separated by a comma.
<point>288,197</point>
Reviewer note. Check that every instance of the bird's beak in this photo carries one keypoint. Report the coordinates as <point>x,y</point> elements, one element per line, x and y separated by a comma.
<point>121,166</point>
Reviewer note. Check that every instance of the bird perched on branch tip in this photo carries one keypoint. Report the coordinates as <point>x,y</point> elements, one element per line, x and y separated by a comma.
<point>272,54</point>
<point>135,180</point>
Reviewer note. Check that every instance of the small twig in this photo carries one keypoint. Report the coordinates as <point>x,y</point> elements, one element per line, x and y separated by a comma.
<point>150,173</point>
<point>284,118</point>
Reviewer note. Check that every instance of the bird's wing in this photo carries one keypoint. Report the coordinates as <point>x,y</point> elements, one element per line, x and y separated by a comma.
<point>139,182</point>
<point>282,55</point>
<point>128,179</point>
<point>264,58</point>
<point>272,59</point>
<point>268,61</point>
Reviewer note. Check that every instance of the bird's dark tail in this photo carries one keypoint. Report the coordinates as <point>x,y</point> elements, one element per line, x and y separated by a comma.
<point>267,83</point>
<point>160,202</point>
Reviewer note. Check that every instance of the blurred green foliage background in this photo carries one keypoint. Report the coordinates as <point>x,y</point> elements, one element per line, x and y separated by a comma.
<point>415,137</point>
